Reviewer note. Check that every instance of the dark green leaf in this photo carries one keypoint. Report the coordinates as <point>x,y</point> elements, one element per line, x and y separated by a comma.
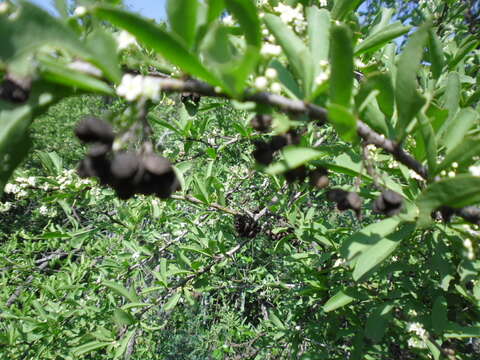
<point>341,59</point>
<point>287,80</point>
<point>468,45</point>
<point>462,153</point>
<point>293,157</point>
<point>439,316</point>
<point>382,83</point>
<point>409,101</point>
<point>458,128</point>
<point>340,299</point>
<point>429,141</point>
<point>89,347</point>
<point>172,302</point>
<point>245,12</point>
<point>377,322</point>
<point>123,317</point>
<point>121,290</point>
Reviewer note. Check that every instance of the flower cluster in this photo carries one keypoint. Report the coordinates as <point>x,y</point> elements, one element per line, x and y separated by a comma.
<point>420,332</point>
<point>325,72</point>
<point>135,87</point>
<point>474,170</point>
<point>469,248</point>
<point>268,50</point>
<point>268,81</point>
<point>19,189</point>
<point>292,16</point>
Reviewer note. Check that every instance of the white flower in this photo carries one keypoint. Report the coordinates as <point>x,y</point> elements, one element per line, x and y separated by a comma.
<point>414,175</point>
<point>271,73</point>
<point>322,77</point>
<point>5,206</point>
<point>455,165</point>
<point>22,194</point>
<point>136,255</point>
<point>125,40</point>
<point>323,3</point>
<point>323,63</point>
<point>151,88</point>
<point>467,243</point>
<point>131,87</point>
<point>416,343</point>
<point>261,83</point>
<point>11,188</point>
<point>31,180</point>
<point>474,170</point>
<point>80,11</point>
<point>339,262</point>
<point>228,20</point>
<point>418,329</point>
<point>276,88</point>
<point>270,50</point>
<point>451,174</point>
<point>265,32</point>
<point>43,210</point>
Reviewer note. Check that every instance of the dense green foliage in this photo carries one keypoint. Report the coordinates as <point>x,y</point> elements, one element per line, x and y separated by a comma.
<point>250,259</point>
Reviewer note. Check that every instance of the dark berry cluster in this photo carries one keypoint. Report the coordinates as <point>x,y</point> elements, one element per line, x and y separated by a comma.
<point>127,172</point>
<point>246,226</point>
<point>264,151</point>
<point>388,203</point>
<point>346,200</point>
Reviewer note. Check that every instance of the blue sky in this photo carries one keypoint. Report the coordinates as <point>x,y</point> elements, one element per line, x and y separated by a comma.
<point>149,8</point>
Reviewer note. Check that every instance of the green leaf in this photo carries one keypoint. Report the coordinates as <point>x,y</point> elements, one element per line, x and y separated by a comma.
<point>439,315</point>
<point>14,141</point>
<point>343,121</point>
<point>121,290</point>
<point>461,154</point>
<point>451,102</point>
<point>437,57</point>
<point>182,17</point>
<point>377,322</point>
<point>33,28</point>
<point>293,157</point>
<point>246,13</point>
<point>458,128</point>
<point>318,33</point>
<point>158,39</point>
<point>89,347</point>
<point>382,82</point>
<point>287,80</point>
<point>409,102</point>
<point>104,48</point>
<point>460,332</point>
<point>375,254</point>
<point>172,302</point>
<point>57,73</point>
<point>340,299</point>
<point>341,59</point>
<point>469,44</point>
<point>298,55</point>
<point>123,317</point>
<point>429,140</point>
<point>368,236</point>
<point>376,40</point>
<point>456,192</point>
<point>342,8</point>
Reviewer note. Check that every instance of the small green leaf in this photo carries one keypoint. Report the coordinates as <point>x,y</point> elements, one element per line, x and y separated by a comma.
<point>429,140</point>
<point>182,17</point>
<point>409,101</point>
<point>246,13</point>
<point>343,121</point>
<point>382,82</point>
<point>376,40</point>
<point>158,39</point>
<point>123,317</point>
<point>89,347</point>
<point>375,254</point>
<point>340,299</point>
<point>287,80</point>
<point>293,157</point>
<point>468,45</point>
<point>456,192</point>
<point>341,59</point>
<point>172,302</point>
<point>121,290</point>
